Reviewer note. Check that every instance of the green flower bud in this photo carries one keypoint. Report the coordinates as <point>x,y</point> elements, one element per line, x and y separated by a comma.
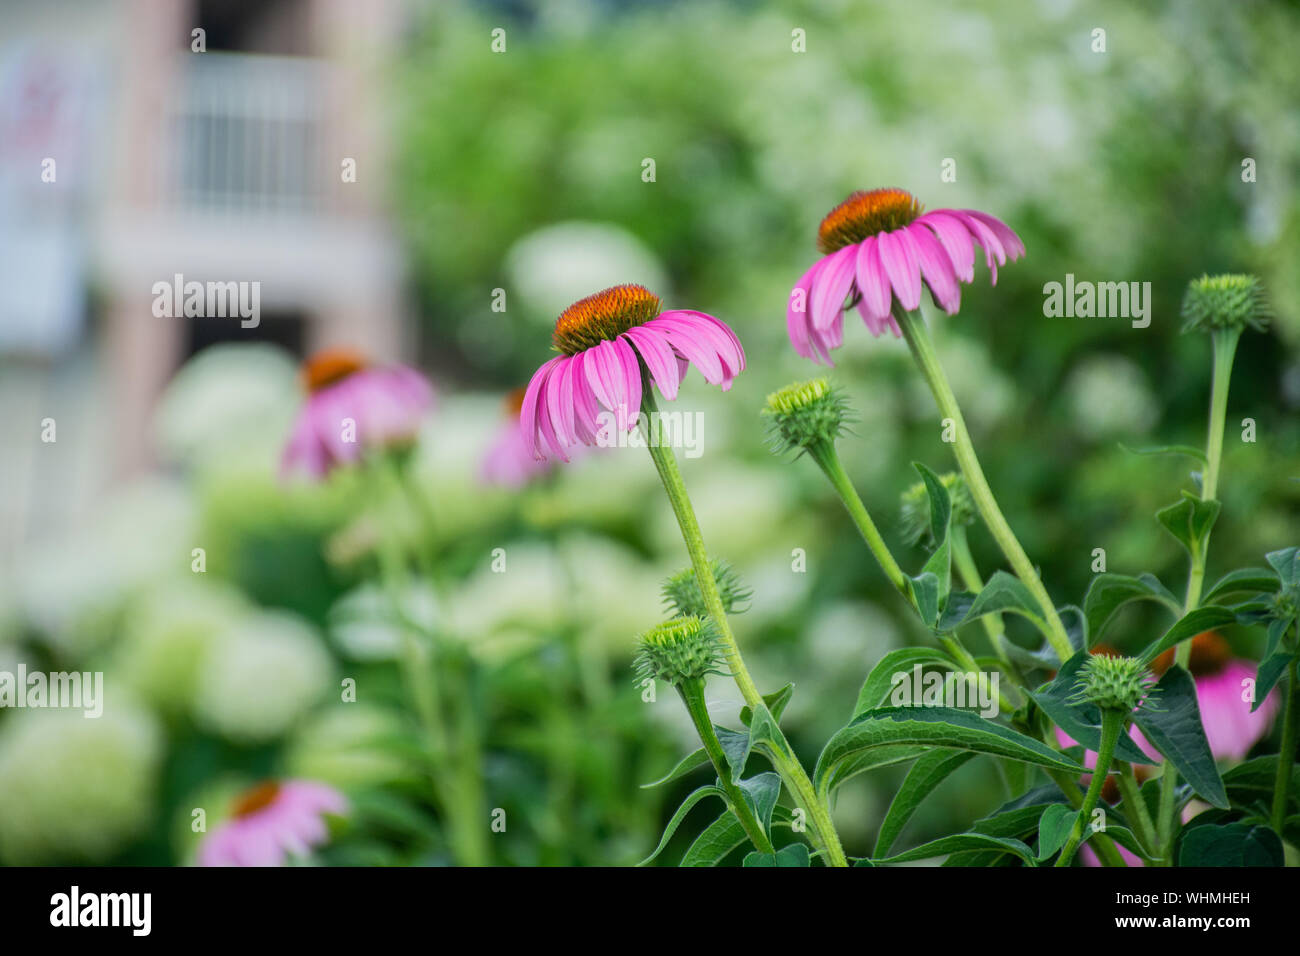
<point>915,507</point>
<point>1114,683</point>
<point>683,597</point>
<point>681,650</point>
<point>805,414</point>
<point>1225,302</point>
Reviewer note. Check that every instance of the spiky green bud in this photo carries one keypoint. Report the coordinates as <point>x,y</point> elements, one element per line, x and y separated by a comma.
<point>681,650</point>
<point>805,414</point>
<point>1114,683</point>
<point>1225,302</point>
<point>914,510</point>
<point>683,597</point>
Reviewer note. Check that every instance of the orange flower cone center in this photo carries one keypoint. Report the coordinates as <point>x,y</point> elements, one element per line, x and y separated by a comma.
<point>603,317</point>
<point>865,214</point>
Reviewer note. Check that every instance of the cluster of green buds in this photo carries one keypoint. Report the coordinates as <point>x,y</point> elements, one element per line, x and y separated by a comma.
<point>682,651</point>
<point>683,597</point>
<point>1232,301</point>
<point>914,511</point>
<point>1115,683</point>
<point>805,415</point>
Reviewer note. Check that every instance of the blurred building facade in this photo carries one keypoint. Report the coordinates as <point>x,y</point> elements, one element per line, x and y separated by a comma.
<point>218,140</point>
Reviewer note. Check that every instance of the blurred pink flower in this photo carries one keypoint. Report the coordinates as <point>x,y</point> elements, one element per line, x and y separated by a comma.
<point>271,821</point>
<point>606,339</point>
<point>352,408</point>
<point>507,461</point>
<point>879,246</point>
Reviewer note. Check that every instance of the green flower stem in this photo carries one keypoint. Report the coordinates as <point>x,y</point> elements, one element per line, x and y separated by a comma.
<point>823,452</point>
<point>1225,350</point>
<point>457,794</point>
<point>785,762</point>
<point>1286,753</point>
<point>1112,722</point>
<point>1105,848</point>
<point>918,340</point>
<point>1143,826</point>
<point>692,693</point>
<point>974,582</point>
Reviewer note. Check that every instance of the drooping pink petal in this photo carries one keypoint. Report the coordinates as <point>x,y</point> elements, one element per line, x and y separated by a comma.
<point>695,346</point>
<point>725,342</point>
<point>873,284</point>
<point>559,402</point>
<point>956,240</point>
<point>631,368</point>
<point>831,287</point>
<point>936,268</point>
<point>898,256</point>
<point>987,239</point>
<point>529,417</point>
<point>1006,235</point>
<point>584,400</point>
<point>652,345</point>
<point>798,310</point>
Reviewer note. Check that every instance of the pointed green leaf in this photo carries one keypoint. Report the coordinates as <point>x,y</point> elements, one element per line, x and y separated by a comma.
<point>685,766</point>
<point>933,727</point>
<point>761,792</point>
<point>1005,592</point>
<point>1183,450</point>
<point>1054,829</point>
<point>721,837</point>
<point>1267,676</point>
<point>1287,565</point>
<point>930,770</point>
<point>736,745</point>
<point>1176,731</point>
<point>1189,520</point>
<point>776,703</point>
<point>1201,619</point>
<point>876,689</point>
<point>959,842</point>
<point>1109,592</point>
<point>872,759</point>
<point>695,797</point>
<point>1242,581</point>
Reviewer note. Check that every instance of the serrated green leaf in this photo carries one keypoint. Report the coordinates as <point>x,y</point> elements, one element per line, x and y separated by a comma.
<point>1201,619</point>
<point>796,854</point>
<point>691,800</point>
<point>1176,731</point>
<point>1109,592</point>
<point>1242,581</point>
<point>876,688</point>
<point>684,766</point>
<point>930,770</point>
<point>1234,844</point>
<point>932,727</point>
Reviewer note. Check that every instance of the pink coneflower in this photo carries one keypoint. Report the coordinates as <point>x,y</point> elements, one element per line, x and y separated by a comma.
<point>879,246</point>
<point>271,821</point>
<point>606,340</point>
<point>508,461</point>
<point>351,408</point>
